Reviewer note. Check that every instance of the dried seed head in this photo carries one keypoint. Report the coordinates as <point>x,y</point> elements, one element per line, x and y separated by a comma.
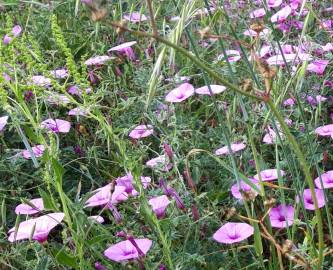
<point>204,32</point>
<point>287,246</point>
<point>230,213</point>
<point>249,195</point>
<point>120,30</point>
<point>270,202</point>
<point>98,14</point>
<point>257,27</point>
<point>246,85</point>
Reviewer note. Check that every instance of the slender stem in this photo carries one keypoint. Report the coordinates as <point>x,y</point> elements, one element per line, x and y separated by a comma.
<point>152,17</point>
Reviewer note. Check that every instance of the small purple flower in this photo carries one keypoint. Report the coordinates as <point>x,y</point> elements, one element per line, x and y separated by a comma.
<point>26,209</point>
<point>318,66</point>
<point>58,99</point>
<point>282,216</point>
<point>127,182</point>
<point>60,73</point>
<point>281,15</point>
<point>141,131</point>
<point>269,175</point>
<point>125,49</point>
<point>41,81</point>
<point>258,13</point>
<point>172,193</point>
<point>78,111</point>
<point>57,125</point>
<point>307,199</point>
<point>245,188</point>
<point>135,17</point>
<point>98,265</point>
<point>38,151</point>
<point>326,178</point>
<point>233,232</point>
<point>273,3</point>
<point>233,56</point>
<point>289,102</point>
<point>28,95</point>
<point>125,250</point>
<point>235,147</point>
<point>181,93</point>
<point>159,162</point>
<point>159,205</point>
<point>326,131</point>
<point>168,150</point>
<point>97,60</point>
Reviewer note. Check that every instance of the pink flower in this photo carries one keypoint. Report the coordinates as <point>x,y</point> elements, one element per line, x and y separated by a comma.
<point>16,30</point>
<point>38,151</point>
<point>271,136</point>
<point>233,56</point>
<point>141,131</point>
<point>57,125</point>
<point>318,66</point>
<point>74,90</point>
<point>159,205</point>
<point>258,13</point>
<point>327,47</point>
<point>236,192</point>
<point>26,209</point>
<point>269,175</point>
<point>289,102</point>
<point>282,216</point>
<point>125,49</point>
<point>235,147</point>
<point>7,39</point>
<point>39,228</point>
<point>125,250</point>
<point>58,99</point>
<point>216,89</point>
<point>181,93</point>
<point>3,122</point>
<point>273,3</point>
<point>98,219</point>
<point>233,232</point>
<point>60,73</point>
<point>127,182</point>
<point>326,130</point>
<point>278,60</point>
<point>326,178</point>
<point>97,60</point>
<point>252,33</point>
<point>135,17</point>
<point>103,196</point>
<point>307,199</point>
<point>159,162</point>
<point>78,111</point>
<point>281,15</point>
<point>41,81</point>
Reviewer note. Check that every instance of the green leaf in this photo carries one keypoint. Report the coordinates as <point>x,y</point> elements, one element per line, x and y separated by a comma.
<point>43,263</point>
<point>64,258</point>
<point>48,204</point>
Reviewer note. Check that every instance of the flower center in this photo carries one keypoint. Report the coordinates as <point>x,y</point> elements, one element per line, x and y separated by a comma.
<point>180,95</point>
<point>309,200</point>
<point>282,218</point>
<point>234,236</point>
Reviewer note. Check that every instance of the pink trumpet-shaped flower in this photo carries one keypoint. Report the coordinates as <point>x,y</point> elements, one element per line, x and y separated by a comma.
<point>126,49</point>
<point>233,56</point>
<point>233,232</point>
<point>125,250</point>
<point>216,89</point>
<point>3,122</point>
<point>289,102</point>
<point>39,228</point>
<point>258,13</point>
<point>244,188</point>
<point>159,205</point>
<point>41,80</point>
<point>103,196</point>
<point>281,15</point>
<point>326,178</point>
<point>60,73</point>
<point>318,66</point>
<point>127,182</point>
<point>326,130</point>
<point>181,93</point>
<point>36,206</point>
<point>282,216</point>
<point>38,151</point>
<point>57,125</point>
<point>307,199</point>
<point>16,31</point>
<point>271,136</point>
<point>141,131</point>
<point>273,3</point>
<point>235,147</point>
<point>159,162</point>
<point>269,175</point>
<point>277,60</point>
<point>78,111</point>
<point>135,17</point>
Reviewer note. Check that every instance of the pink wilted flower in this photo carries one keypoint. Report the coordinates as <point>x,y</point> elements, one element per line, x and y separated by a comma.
<point>159,162</point>
<point>273,3</point>
<point>235,147</point>
<point>216,89</point>
<point>271,136</point>
<point>39,228</point>
<point>244,189</point>
<point>60,73</point>
<point>74,90</point>
<point>171,192</point>
<point>36,205</point>
<point>233,232</point>
<point>98,219</point>
<point>307,199</point>
<point>141,131</point>
<point>233,56</point>
<point>41,80</point>
<point>181,93</point>
<point>125,250</point>
<point>282,216</point>
<point>269,175</point>
<point>326,130</point>
<point>135,17</point>
<point>125,49</point>
<point>57,125</point>
<point>16,31</point>
<point>3,122</point>
<point>326,178</point>
<point>258,13</point>
<point>127,182</point>
<point>103,196</point>
<point>281,15</point>
<point>78,111</point>
<point>159,205</point>
<point>38,151</point>
<point>318,66</point>
<point>97,60</point>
